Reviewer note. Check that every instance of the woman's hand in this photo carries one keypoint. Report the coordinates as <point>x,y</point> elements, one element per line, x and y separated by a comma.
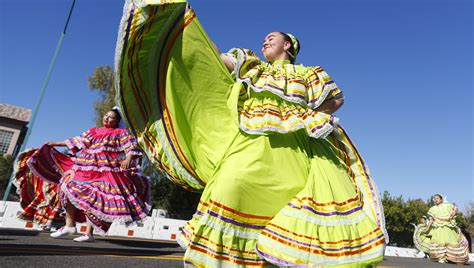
<point>428,226</point>
<point>126,163</point>
<point>227,62</point>
<point>453,213</point>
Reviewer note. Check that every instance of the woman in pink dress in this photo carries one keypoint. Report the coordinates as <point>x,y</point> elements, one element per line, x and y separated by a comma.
<point>100,184</point>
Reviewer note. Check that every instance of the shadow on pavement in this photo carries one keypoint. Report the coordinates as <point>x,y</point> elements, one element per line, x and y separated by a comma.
<point>19,232</point>
<point>138,243</point>
<point>45,249</point>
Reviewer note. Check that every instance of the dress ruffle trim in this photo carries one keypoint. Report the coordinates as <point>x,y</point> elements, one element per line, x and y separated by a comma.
<point>306,86</point>
<point>350,261</point>
<point>420,239</point>
<point>271,118</point>
<point>137,209</point>
<point>32,162</point>
<point>95,141</point>
<point>183,177</point>
<point>295,92</point>
<point>235,254</point>
<point>102,169</point>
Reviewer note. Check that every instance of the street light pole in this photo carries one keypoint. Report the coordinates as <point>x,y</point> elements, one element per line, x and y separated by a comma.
<point>43,90</point>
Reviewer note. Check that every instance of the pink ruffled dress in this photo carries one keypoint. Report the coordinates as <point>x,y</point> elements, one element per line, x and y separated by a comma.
<point>98,185</point>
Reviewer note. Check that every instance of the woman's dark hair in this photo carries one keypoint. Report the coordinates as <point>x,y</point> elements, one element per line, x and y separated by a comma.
<point>438,195</point>
<point>291,50</point>
<point>117,113</point>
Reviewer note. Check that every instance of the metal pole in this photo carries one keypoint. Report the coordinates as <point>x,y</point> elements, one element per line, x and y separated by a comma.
<point>43,90</point>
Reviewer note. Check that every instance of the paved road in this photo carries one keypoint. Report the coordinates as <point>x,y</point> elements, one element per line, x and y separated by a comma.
<point>25,248</point>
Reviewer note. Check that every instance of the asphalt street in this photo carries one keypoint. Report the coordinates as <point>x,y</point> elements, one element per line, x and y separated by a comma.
<point>27,248</point>
<point>24,248</point>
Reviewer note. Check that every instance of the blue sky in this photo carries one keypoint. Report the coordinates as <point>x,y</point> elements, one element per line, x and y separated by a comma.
<point>405,67</point>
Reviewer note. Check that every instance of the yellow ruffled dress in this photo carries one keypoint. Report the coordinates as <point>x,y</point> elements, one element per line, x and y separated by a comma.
<point>282,183</point>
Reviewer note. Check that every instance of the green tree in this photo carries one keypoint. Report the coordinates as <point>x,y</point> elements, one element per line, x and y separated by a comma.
<point>399,217</point>
<point>102,81</point>
<point>6,169</point>
<point>470,218</point>
<point>179,203</point>
<point>469,230</point>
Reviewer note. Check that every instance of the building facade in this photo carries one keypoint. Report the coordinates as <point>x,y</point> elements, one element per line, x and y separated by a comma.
<point>13,122</point>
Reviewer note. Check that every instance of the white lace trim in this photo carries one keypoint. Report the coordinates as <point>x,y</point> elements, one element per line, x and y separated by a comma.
<point>238,62</point>
<point>70,145</point>
<point>179,169</point>
<point>30,165</point>
<point>358,178</point>
<point>417,241</point>
<point>127,147</point>
<point>227,229</point>
<point>101,169</point>
<point>322,132</point>
<point>327,89</point>
<point>324,221</point>
<point>314,259</point>
<point>107,218</point>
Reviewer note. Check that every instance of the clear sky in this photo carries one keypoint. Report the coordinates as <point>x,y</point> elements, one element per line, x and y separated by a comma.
<point>405,67</point>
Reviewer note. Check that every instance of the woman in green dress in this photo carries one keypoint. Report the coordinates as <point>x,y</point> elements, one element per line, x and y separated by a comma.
<point>441,238</point>
<point>282,183</point>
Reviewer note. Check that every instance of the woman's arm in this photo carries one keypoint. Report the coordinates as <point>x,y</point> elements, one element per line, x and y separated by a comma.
<point>56,143</point>
<point>131,150</point>
<point>332,105</point>
<point>127,162</point>
<point>227,62</point>
<point>453,213</point>
<point>225,58</point>
<point>428,226</point>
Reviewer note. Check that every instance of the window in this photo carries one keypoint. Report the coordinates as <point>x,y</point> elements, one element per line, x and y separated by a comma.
<point>5,140</point>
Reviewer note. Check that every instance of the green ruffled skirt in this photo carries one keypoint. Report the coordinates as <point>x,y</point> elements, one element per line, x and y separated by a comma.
<point>443,243</point>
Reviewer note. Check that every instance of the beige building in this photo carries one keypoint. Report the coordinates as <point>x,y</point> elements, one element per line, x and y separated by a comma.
<point>13,121</point>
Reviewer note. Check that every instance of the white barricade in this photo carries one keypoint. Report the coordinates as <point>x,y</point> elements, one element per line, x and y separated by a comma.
<point>411,253</point>
<point>135,230</point>
<point>10,219</point>
<point>402,252</point>
<point>81,227</point>
<point>167,229</point>
<point>3,207</point>
<point>154,227</point>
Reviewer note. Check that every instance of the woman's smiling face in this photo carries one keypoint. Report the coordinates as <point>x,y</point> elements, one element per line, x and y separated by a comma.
<point>110,120</point>
<point>274,47</point>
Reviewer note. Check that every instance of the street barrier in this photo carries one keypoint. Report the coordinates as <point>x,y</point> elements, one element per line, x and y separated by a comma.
<point>167,229</point>
<point>136,230</point>
<point>3,207</point>
<point>402,252</point>
<point>156,227</point>
<point>10,220</point>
